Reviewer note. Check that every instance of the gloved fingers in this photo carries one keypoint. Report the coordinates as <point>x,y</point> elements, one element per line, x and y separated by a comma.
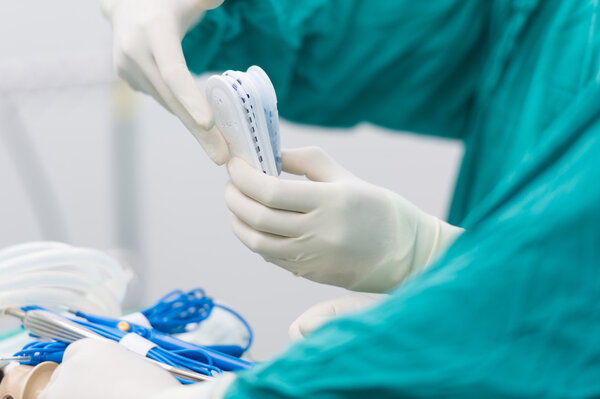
<point>301,327</point>
<point>212,141</point>
<point>290,195</point>
<point>132,64</point>
<point>80,346</point>
<point>310,320</point>
<point>294,332</point>
<point>90,347</point>
<point>140,83</point>
<point>105,369</point>
<point>299,264</point>
<point>312,162</point>
<point>352,302</point>
<point>325,311</point>
<point>173,69</point>
<point>59,381</point>
<point>328,308</point>
<point>264,244</point>
<point>261,217</point>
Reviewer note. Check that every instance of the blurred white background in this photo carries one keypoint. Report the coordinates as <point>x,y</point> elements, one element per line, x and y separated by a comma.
<point>72,168</point>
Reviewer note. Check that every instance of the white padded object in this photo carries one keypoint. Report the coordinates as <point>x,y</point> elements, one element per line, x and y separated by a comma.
<point>241,103</point>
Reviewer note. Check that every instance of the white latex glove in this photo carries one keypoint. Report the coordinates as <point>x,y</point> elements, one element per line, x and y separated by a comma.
<point>147,54</point>
<point>93,369</point>
<point>107,370</point>
<point>335,228</point>
<point>326,311</point>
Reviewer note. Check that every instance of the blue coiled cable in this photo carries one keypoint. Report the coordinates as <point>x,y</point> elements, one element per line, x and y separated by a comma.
<point>174,313</point>
<point>177,310</point>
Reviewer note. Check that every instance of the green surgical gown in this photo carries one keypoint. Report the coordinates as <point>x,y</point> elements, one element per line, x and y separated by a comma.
<point>512,309</point>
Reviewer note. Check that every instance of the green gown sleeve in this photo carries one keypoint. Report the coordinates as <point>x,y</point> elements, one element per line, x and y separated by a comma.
<point>406,65</point>
<point>510,311</point>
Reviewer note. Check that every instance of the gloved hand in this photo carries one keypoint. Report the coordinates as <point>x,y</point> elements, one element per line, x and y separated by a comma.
<point>148,55</point>
<point>326,311</point>
<point>94,369</point>
<point>106,370</point>
<point>335,228</point>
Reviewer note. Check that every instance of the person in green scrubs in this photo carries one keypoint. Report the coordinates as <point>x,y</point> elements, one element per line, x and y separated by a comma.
<point>510,309</point>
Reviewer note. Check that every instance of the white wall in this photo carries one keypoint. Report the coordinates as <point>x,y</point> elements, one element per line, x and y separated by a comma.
<point>182,229</point>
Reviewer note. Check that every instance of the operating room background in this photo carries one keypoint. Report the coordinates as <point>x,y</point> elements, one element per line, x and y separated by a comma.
<point>84,160</point>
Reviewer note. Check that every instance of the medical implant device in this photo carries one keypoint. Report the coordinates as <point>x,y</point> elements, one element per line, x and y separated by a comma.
<point>60,295</point>
<point>245,109</point>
